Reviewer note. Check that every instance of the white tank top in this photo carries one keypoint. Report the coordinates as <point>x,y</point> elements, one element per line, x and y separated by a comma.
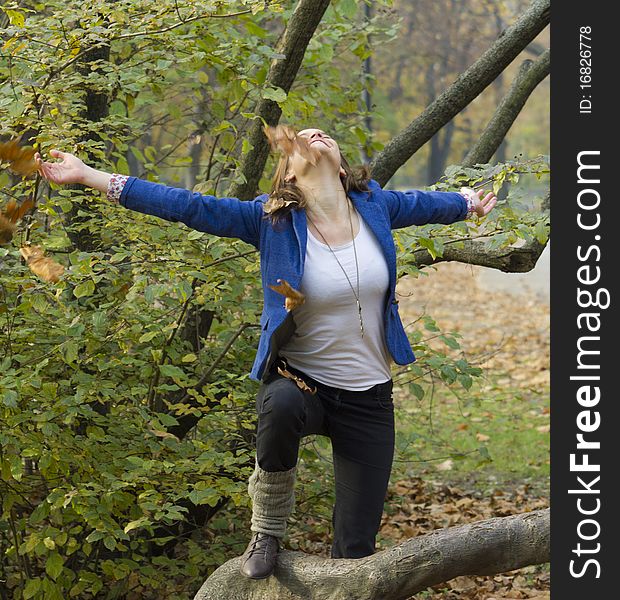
<point>327,343</point>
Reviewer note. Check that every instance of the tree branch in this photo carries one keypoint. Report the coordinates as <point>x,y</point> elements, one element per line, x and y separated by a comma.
<point>483,548</point>
<point>529,76</point>
<point>513,259</point>
<point>297,35</point>
<point>466,87</point>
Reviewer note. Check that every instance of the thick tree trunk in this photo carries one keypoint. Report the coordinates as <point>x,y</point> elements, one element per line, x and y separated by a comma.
<point>529,76</point>
<point>282,73</point>
<point>482,548</point>
<point>96,108</point>
<point>467,87</point>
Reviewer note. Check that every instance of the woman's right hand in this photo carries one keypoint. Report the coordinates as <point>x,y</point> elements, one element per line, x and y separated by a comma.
<point>70,170</point>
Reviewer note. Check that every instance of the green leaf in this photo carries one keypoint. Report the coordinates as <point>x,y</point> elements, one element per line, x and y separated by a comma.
<point>49,543</point>
<point>275,94</point>
<point>31,589</point>
<point>17,466</point>
<point>171,371</point>
<point>429,245</point>
<point>206,496</point>
<point>254,29</point>
<point>109,542</point>
<point>39,513</point>
<point>69,351</point>
<point>448,373</point>
<point>541,232</point>
<point>147,337</point>
<point>167,420</point>
<point>450,341</point>
<point>53,565</point>
<point>430,325</point>
<point>15,17</point>
<point>9,398</point>
<point>416,390</point>
<point>86,288</point>
<point>95,536</point>
<point>194,234</point>
<point>121,165</point>
<point>136,524</point>
<point>465,380</point>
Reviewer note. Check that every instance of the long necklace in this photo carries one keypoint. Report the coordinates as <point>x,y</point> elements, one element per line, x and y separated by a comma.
<point>357,269</point>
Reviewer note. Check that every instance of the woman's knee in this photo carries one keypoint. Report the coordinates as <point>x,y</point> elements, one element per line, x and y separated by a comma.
<point>281,402</point>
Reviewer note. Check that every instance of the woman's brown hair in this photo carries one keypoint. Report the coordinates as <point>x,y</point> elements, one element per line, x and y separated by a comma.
<point>285,195</point>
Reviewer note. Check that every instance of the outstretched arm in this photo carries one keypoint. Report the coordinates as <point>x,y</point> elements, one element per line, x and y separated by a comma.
<point>416,207</point>
<point>227,217</point>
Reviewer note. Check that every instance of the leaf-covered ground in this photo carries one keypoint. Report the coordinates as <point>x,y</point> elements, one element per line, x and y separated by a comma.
<point>417,507</point>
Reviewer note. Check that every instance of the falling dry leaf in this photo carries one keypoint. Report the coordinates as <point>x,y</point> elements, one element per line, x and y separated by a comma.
<point>20,158</point>
<point>276,204</point>
<point>544,428</point>
<point>294,298</point>
<point>284,138</point>
<point>7,228</point>
<point>482,438</point>
<point>41,265</point>
<point>12,213</point>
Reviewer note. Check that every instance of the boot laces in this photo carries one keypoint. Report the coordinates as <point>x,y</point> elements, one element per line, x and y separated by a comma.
<point>260,543</point>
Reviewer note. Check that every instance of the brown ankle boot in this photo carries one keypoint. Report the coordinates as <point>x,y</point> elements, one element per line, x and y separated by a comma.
<point>259,558</point>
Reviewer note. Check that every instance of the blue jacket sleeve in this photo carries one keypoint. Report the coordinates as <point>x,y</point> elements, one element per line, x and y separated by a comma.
<point>415,207</point>
<point>225,217</point>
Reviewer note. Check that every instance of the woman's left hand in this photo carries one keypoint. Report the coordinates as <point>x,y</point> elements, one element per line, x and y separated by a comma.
<point>482,206</point>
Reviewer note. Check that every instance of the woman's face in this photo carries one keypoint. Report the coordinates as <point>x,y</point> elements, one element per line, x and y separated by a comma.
<point>326,148</point>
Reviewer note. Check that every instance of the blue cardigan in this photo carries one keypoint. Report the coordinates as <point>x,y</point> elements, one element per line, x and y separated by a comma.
<point>283,249</point>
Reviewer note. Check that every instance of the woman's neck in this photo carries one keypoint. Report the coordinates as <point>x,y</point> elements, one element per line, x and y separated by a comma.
<point>326,198</point>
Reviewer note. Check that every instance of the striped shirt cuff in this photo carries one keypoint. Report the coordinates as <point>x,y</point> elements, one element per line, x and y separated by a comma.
<point>115,187</point>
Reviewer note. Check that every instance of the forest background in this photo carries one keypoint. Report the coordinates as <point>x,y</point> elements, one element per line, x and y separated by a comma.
<point>126,413</point>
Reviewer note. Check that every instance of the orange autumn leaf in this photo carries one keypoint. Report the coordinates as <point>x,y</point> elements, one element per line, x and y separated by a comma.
<point>20,158</point>
<point>12,213</point>
<point>284,138</point>
<point>7,228</point>
<point>294,298</point>
<point>41,265</point>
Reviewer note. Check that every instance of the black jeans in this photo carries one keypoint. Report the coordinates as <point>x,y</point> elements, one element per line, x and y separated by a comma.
<point>361,428</point>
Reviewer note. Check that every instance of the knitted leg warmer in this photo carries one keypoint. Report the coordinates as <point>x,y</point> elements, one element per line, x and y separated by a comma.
<point>273,499</point>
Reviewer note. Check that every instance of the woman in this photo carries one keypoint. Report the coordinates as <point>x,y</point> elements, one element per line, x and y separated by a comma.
<point>323,364</point>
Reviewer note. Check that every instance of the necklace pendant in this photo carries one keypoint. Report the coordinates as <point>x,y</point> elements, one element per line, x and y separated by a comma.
<point>359,311</point>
